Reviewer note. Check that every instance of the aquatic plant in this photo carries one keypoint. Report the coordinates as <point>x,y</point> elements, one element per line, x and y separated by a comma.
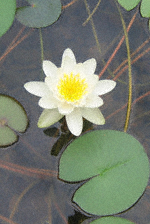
<point>106,171</point>
<point>72,91</point>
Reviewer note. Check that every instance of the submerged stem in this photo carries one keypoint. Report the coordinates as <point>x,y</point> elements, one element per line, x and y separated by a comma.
<point>129,72</point>
<point>20,198</point>
<point>93,27</point>
<point>7,220</point>
<point>118,47</point>
<point>42,48</point>
<point>92,13</point>
<point>69,4</point>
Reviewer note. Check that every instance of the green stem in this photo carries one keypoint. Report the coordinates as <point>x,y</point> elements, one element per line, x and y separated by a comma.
<point>129,72</point>
<point>91,14</point>
<point>41,43</point>
<point>42,49</point>
<point>92,24</point>
<point>94,30</point>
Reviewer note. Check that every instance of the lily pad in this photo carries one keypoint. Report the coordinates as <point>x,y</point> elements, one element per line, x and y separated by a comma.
<point>145,8</point>
<point>111,220</point>
<point>7,14</point>
<point>13,119</point>
<point>129,4</point>
<point>115,167</point>
<point>7,136</point>
<point>40,13</point>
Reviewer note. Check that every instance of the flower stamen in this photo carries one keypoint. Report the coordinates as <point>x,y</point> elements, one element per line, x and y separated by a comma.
<point>72,87</point>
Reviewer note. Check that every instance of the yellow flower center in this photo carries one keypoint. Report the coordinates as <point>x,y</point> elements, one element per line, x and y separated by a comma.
<point>72,87</point>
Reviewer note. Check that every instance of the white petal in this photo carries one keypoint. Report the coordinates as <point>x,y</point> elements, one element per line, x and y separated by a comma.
<point>68,53</point>
<point>68,61</point>
<point>92,81</point>
<point>93,101</point>
<point>37,88</point>
<point>49,68</point>
<point>104,86</point>
<point>65,108</point>
<point>48,102</point>
<point>85,69</point>
<point>51,82</point>
<point>89,66</point>
<point>48,118</point>
<point>93,115</point>
<point>75,122</point>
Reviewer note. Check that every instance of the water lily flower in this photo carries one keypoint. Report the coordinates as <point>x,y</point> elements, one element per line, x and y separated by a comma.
<point>72,90</point>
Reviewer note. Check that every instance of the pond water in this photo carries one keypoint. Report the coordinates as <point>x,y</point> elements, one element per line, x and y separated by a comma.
<point>30,191</point>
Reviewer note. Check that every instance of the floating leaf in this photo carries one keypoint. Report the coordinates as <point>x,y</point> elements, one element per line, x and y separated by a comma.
<point>111,220</point>
<point>129,4</point>
<point>40,13</point>
<point>115,166</point>
<point>145,8</point>
<point>12,118</point>
<point>7,136</point>
<point>7,14</point>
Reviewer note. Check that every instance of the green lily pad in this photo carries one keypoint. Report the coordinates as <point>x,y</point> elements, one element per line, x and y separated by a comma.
<point>129,4</point>
<point>7,136</point>
<point>145,8</point>
<point>40,13</point>
<point>7,14</point>
<point>111,220</point>
<point>115,167</point>
<point>13,119</point>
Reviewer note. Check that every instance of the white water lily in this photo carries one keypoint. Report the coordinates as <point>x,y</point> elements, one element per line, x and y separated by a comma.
<point>72,91</point>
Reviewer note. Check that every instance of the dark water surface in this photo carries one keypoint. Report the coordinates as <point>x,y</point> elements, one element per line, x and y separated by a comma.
<point>31,195</point>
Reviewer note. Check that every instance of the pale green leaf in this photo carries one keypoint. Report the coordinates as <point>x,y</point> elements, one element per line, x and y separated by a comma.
<point>7,14</point>
<point>115,166</point>
<point>111,220</point>
<point>40,13</point>
<point>145,8</point>
<point>128,4</point>
<point>13,119</point>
